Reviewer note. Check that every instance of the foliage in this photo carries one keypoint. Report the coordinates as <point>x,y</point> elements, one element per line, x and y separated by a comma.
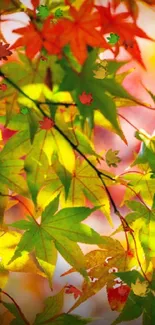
<point>55,90</point>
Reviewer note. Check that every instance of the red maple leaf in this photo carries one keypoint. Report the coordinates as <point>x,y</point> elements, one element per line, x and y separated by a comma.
<point>117,297</point>
<point>127,31</point>
<point>43,58</point>
<point>4,52</point>
<point>3,87</point>
<point>34,40</point>
<point>81,30</point>
<point>74,290</point>
<point>46,123</point>
<point>86,99</point>
<point>35,3</point>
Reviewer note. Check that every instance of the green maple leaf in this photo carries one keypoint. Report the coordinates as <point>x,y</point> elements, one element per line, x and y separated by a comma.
<point>102,91</point>
<point>43,11</point>
<point>24,110</point>
<point>10,170</point>
<point>113,38</point>
<point>53,306</point>
<point>58,231</point>
<point>147,152</point>
<point>58,13</point>
<point>111,158</point>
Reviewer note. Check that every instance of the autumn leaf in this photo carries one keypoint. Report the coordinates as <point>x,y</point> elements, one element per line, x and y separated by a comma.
<point>85,183</point>
<point>71,289</point>
<point>86,99</point>
<point>8,244</point>
<point>140,184</point>
<point>111,158</point>
<point>4,51</point>
<point>117,296</point>
<point>46,124</point>
<point>131,6</point>
<point>101,265</point>
<point>10,171</point>
<point>35,3</point>
<point>77,32</point>
<point>57,231</point>
<point>3,87</point>
<point>140,288</point>
<point>127,31</point>
<point>34,40</point>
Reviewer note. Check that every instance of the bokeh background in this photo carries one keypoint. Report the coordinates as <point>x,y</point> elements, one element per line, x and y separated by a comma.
<point>30,290</point>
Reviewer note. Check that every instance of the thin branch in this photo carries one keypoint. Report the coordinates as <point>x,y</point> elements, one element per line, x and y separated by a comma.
<point>19,310</point>
<point>124,118</point>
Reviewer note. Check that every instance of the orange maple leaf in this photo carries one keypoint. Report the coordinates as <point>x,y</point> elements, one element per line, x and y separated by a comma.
<point>81,30</point>
<point>126,30</point>
<point>71,289</point>
<point>34,40</point>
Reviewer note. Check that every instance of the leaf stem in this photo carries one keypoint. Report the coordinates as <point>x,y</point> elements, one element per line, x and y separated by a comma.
<point>19,310</point>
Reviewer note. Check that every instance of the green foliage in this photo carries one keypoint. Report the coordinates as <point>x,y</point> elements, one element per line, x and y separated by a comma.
<point>58,92</point>
<point>61,230</point>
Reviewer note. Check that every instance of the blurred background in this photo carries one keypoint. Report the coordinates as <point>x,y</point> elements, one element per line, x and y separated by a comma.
<point>31,290</point>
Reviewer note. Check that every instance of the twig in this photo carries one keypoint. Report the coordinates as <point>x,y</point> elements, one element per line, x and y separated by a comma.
<point>20,311</point>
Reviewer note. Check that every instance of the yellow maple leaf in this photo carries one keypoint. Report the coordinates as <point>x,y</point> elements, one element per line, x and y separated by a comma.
<point>140,288</point>
<point>100,73</point>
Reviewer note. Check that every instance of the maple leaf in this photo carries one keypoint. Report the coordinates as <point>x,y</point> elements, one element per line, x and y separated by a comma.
<point>4,52</point>
<point>3,87</point>
<point>43,11</point>
<point>58,13</point>
<point>98,265</point>
<point>34,40</point>
<point>62,230</point>
<point>117,296</point>
<point>74,290</point>
<point>35,3</point>
<point>113,38</point>
<point>140,288</point>
<point>31,39</point>
<point>81,30</point>
<point>46,124</point>
<point>85,183</point>
<point>111,158</point>
<point>24,110</point>
<point>86,99</point>
<point>100,73</point>
<point>101,69</point>
<point>117,23</point>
